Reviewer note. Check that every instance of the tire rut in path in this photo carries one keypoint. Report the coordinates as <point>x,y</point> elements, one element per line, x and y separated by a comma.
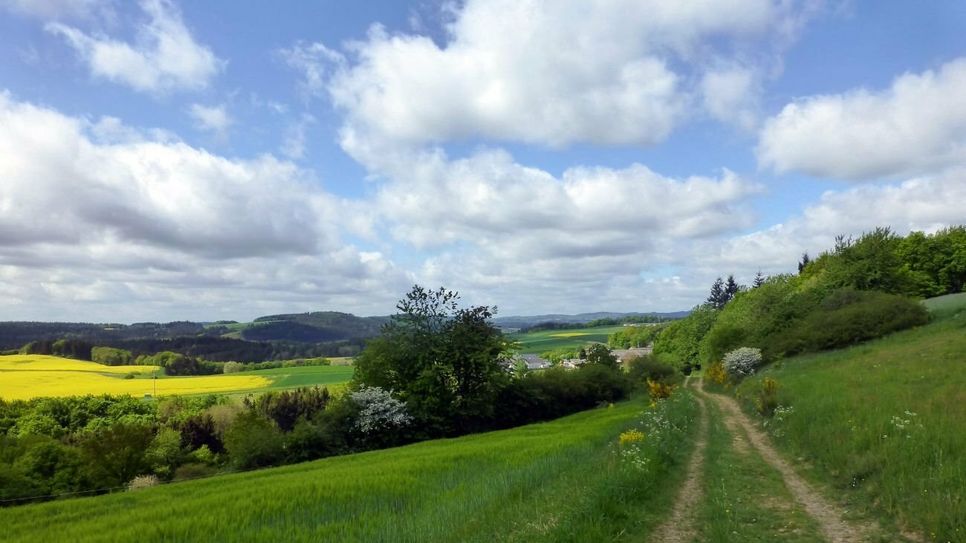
<point>833,525</point>
<point>680,525</point>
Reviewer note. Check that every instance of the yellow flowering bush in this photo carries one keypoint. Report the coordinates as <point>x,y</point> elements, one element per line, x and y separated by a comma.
<point>630,436</point>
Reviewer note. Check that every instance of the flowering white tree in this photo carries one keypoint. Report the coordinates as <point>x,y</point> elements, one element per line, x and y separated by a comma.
<point>379,411</point>
<point>742,361</point>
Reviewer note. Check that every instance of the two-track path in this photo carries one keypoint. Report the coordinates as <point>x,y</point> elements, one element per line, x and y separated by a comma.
<point>796,509</point>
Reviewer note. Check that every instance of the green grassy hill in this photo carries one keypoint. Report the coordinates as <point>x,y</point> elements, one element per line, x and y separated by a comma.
<point>546,340</point>
<point>526,484</point>
<point>884,422</point>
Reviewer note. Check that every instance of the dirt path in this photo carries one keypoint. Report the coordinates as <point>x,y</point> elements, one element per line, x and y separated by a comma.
<point>680,526</point>
<point>827,514</point>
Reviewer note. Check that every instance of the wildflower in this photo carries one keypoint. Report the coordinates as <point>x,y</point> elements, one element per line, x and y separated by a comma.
<point>630,436</point>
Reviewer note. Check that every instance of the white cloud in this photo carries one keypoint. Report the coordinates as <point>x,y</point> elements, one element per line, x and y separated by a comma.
<point>547,73</point>
<point>214,119</point>
<point>489,200</point>
<point>731,94</point>
<point>165,56</point>
<point>293,144</point>
<point>916,126</point>
<point>120,222</point>
<point>534,241</point>
<point>314,61</point>
<point>924,203</point>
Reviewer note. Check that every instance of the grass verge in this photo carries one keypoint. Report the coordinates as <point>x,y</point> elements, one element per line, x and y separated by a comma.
<point>558,481</point>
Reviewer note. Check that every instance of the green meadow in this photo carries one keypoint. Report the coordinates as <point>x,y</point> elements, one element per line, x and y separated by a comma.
<point>547,340</point>
<point>530,483</point>
<point>883,422</point>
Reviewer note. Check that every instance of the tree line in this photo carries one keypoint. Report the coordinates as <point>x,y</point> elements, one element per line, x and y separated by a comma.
<point>436,370</point>
<point>858,290</point>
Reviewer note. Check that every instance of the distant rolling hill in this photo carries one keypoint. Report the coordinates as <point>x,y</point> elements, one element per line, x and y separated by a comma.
<point>581,318</point>
<point>319,326</point>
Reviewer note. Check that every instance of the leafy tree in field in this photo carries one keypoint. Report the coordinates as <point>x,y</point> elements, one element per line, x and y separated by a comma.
<point>286,407</point>
<point>447,363</point>
<point>115,454</point>
<point>253,441</point>
<point>598,353</point>
<point>110,356</point>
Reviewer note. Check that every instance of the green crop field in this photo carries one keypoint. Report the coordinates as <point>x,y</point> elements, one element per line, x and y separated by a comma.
<point>526,484</point>
<point>546,340</point>
<point>883,422</point>
<point>305,376</point>
<point>30,376</point>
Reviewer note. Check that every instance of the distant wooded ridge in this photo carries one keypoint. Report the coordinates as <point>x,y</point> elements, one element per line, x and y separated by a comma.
<point>320,333</point>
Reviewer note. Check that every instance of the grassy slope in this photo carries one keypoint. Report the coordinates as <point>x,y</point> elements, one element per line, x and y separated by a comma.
<point>546,340</point>
<point>556,481</point>
<point>885,422</point>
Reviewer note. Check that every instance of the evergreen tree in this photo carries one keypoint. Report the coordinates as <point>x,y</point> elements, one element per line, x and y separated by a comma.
<point>717,297</point>
<point>804,262</point>
<point>759,280</point>
<point>731,288</point>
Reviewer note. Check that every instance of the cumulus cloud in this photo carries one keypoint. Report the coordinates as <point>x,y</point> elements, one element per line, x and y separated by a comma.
<point>731,95</point>
<point>923,203</point>
<point>531,240</point>
<point>214,119</point>
<point>100,212</point>
<point>527,211</point>
<point>916,126</point>
<point>165,56</point>
<point>546,73</point>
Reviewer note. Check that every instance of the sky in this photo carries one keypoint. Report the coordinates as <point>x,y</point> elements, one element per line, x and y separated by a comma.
<point>165,160</point>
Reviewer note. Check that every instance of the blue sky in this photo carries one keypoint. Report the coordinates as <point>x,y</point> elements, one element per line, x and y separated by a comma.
<point>162,160</point>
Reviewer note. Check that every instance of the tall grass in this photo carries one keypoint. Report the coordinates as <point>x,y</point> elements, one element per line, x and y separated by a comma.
<point>884,422</point>
<point>557,481</point>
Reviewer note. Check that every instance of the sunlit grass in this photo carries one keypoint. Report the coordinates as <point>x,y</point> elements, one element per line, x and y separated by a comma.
<point>555,481</point>
<point>885,422</point>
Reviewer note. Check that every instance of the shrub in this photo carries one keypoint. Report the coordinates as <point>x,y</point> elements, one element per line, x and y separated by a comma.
<point>286,407</point>
<point>109,356</point>
<point>847,317</point>
<point>644,367</point>
<point>767,399</point>
<point>379,411</point>
<point>253,441</point>
<point>233,367</point>
<point>658,390</point>
<point>742,361</point>
<point>143,481</point>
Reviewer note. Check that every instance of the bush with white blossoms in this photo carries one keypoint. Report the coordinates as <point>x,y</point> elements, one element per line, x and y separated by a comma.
<point>742,361</point>
<point>379,411</point>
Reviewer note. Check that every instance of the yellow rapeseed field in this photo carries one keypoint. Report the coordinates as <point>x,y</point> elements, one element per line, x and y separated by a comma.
<point>41,362</point>
<point>29,376</point>
<point>570,334</point>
